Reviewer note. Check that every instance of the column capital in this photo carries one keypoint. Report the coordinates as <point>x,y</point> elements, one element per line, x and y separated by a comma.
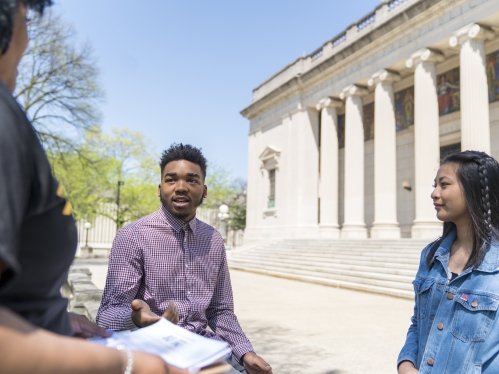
<point>424,55</point>
<point>329,102</point>
<point>353,90</point>
<point>383,76</point>
<point>471,31</point>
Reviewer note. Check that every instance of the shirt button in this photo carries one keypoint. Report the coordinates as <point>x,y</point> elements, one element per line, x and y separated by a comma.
<point>440,326</point>
<point>431,361</point>
<point>450,296</point>
<point>186,266</point>
<point>188,292</point>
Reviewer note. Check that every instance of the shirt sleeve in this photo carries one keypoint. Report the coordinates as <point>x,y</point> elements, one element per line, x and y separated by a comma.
<point>221,317</point>
<point>15,185</point>
<point>410,349</point>
<point>124,277</point>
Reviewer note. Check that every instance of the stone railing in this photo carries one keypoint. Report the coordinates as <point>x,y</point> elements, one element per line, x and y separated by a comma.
<point>366,21</point>
<point>395,3</point>
<point>383,12</point>
<point>84,296</point>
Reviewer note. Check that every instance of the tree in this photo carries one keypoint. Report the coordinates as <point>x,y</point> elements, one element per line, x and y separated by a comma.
<point>57,84</point>
<point>224,189</point>
<point>129,160</point>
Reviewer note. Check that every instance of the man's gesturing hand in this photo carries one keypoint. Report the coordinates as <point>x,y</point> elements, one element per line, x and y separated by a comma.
<point>142,315</point>
<point>254,364</point>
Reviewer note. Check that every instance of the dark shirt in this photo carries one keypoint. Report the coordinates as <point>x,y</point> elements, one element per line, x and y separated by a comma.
<point>37,230</point>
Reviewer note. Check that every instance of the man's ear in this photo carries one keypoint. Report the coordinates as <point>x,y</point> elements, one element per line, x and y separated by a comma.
<point>205,192</point>
<point>159,190</point>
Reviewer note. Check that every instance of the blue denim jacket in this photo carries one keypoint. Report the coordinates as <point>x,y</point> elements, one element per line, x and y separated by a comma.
<point>455,326</point>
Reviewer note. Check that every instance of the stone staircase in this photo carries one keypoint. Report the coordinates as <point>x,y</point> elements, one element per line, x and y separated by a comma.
<point>373,265</point>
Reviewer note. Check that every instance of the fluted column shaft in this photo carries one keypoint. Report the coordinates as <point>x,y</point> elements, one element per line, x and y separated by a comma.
<point>475,123</point>
<point>354,225</point>
<point>426,142</point>
<point>328,187</point>
<point>385,223</point>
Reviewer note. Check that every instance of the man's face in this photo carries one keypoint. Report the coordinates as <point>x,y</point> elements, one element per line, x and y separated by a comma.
<point>182,189</point>
<point>10,60</point>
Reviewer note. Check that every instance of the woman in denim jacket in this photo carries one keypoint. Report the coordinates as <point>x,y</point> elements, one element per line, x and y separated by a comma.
<point>455,326</point>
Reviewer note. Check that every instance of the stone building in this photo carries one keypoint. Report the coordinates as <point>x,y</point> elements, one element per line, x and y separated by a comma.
<point>345,142</point>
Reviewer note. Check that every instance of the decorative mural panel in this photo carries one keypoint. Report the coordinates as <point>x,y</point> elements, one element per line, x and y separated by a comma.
<point>448,92</point>
<point>404,108</point>
<point>368,113</point>
<point>492,61</point>
<point>341,131</point>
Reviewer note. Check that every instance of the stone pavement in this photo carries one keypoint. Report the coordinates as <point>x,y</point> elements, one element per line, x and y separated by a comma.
<point>303,328</point>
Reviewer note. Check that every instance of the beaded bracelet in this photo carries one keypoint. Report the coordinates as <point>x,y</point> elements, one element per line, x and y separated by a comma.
<point>129,359</point>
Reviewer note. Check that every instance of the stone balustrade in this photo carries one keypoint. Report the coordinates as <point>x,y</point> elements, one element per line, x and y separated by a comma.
<point>83,295</point>
<point>382,13</point>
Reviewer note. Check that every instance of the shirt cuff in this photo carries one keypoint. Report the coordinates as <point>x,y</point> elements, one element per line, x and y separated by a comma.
<point>240,350</point>
<point>406,358</point>
<point>128,322</point>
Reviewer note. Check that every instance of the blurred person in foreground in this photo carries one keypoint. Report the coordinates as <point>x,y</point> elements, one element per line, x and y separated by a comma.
<point>38,242</point>
<point>455,326</point>
<point>171,264</point>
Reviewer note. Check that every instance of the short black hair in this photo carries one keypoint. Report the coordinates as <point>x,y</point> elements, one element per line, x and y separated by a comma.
<point>183,152</point>
<point>8,9</point>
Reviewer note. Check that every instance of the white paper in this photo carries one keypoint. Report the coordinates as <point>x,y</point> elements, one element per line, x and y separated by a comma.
<point>172,343</point>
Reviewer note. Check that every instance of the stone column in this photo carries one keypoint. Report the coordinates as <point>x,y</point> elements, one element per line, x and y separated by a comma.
<point>328,183</point>
<point>475,124</point>
<point>426,141</point>
<point>354,225</point>
<point>385,223</point>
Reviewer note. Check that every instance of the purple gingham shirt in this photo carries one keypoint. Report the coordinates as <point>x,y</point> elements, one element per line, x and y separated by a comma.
<point>161,258</point>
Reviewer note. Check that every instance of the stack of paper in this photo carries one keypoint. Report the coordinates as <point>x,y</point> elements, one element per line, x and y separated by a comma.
<point>175,345</point>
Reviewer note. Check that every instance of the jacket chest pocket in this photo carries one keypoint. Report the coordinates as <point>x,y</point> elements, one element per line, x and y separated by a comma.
<point>473,316</point>
<point>422,289</point>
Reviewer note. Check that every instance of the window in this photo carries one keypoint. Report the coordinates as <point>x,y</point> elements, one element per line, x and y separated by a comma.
<point>271,201</point>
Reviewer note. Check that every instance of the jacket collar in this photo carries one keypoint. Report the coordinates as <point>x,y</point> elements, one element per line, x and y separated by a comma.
<point>176,223</point>
<point>490,262</point>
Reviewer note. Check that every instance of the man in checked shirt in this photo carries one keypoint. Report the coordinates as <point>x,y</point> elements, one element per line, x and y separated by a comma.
<point>170,264</point>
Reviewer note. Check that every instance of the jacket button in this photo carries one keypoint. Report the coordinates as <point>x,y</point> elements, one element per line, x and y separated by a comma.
<point>474,304</point>
<point>431,361</point>
<point>450,296</point>
<point>440,326</point>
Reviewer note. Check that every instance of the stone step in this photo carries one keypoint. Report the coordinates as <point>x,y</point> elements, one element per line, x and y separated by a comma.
<point>326,264</point>
<point>381,266</point>
<point>398,263</point>
<point>378,279</point>
<point>320,256</point>
<point>346,243</point>
<point>397,292</point>
<point>343,247</point>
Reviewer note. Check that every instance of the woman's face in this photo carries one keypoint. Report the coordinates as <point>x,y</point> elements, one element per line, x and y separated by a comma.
<point>10,60</point>
<point>448,197</point>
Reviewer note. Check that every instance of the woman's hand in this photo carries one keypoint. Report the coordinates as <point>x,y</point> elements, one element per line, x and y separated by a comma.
<point>407,367</point>
<point>83,328</point>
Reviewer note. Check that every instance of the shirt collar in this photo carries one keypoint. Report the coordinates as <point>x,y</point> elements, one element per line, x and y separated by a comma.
<point>176,223</point>
<point>490,261</point>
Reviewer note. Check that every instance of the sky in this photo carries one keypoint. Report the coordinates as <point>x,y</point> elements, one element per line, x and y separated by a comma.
<point>181,71</point>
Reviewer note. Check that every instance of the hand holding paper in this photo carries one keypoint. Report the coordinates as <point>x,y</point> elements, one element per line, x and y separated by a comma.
<point>175,345</point>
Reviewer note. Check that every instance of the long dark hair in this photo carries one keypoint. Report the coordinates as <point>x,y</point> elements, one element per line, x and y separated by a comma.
<point>478,175</point>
